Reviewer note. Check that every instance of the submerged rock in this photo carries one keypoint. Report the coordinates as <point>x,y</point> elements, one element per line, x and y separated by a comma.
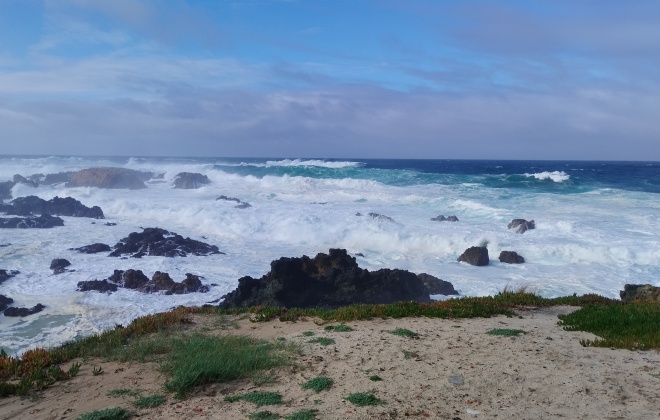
<point>59,265</point>
<point>476,255</point>
<point>92,249</point>
<point>7,274</point>
<point>437,286</point>
<point>240,205</point>
<point>521,225</point>
<point>5,302</point>
<point>103,286</point>
<point>645,292</point>
<point>327,281</point>
<point>190,181</point>
<point>22,312</point>
<point>442,218</point>
<point>160,242</point>
<point>511,257</point>
<point>45,221</point>
<point>380,217</point>
<point>68,206</point>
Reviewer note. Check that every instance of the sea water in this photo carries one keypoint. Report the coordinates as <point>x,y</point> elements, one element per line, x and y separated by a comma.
<point>596,229</point>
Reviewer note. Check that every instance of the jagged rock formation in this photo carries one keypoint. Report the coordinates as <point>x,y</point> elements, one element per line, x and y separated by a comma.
<point>327,281</point>
<point>5,302</point>
<point>511,257</point>
<point>240,205</point>
<point>23,312</point>
<point>59,265</point>
<point>380,217</point>
<point>121,178</point>
<point>136,280</point>
<point>159,242</point>
<point>476,255</point>
<point>437,286</point>
<point>67,206</point>
<point>44,221</point>
<point>645,292</point>
<point>442,218</point>
<point>5,189</point>
<point>521,225</point>
<point>7,274</point>
<point>92,249</point>
<point>190,180</point>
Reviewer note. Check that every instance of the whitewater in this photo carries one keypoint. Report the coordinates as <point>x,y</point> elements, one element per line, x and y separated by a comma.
<point>596,229</point>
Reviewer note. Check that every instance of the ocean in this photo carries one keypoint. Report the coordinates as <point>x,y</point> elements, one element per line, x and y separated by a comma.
<point>597,227</point>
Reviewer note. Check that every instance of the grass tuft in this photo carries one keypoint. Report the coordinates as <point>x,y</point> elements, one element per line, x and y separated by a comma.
<point>302,415</point>
<point>324,341</point>
<point>375,378</point>
<point>150,401</point>
<point>339,328</point>
<point>318,384</point>
<point>505,332</point>
<point>258,398</point>
<point>404,332</point>
<point>363,398</point>
<point>263,415</point>
<point>115,413</point>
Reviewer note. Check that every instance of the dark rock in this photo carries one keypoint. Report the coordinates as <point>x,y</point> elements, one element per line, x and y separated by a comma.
<point>160,282</point>
<point>58,178</point>
<point>644,292</point>
<point>521,225</point>
<point>36,177</point>
<point>103,286</point>
<point>58,265</point>
<point>358,214</point>
<point>437,286</point>
<point>225,198</point>
<point>101,178</point>
<point>191,284</point>
<point>7,274</point>
<point>109,224</point>
<point>190,181</point>
<point>22,312</point>
<point>243,206</point>
<point>44,221</point>
<point>379,217</point>
<point>5,189</point>
<point>326,281</point>
<point>511,257</point>
<point>442,218</point>
<point>5,301</point>
<point>159,242</point>
<point>92,249</point>
<point>33,205</point>
<point>476,255</point>
<point>130,279</point>
<point>19,179</point>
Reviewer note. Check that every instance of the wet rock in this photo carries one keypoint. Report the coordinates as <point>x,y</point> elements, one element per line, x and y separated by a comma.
<point>92,249</point>
<point>644,292</point>
<point>130,279</point>
<point>59,265</point>
<point>521,225</point>
<point>19,179</point>
<point>103,286</point>
<point>137,280</point>
<point>5,302</point>
<point>381,217</point>
<point>5,189</point>
<point>192,283</point>
<point>33,205</point>
<point>113,178</point>
<point>511,257</point>
<point>190,180</point>
<point>437,286</point>
<point>241,204</point>
<point>476,255</point>
<point>45,221</point>
<point>23,312</point>
<point>7,274</point>
<point>442,218</point>
<point>326,281</point>
<point>159,242</point>
<point>160,282</point>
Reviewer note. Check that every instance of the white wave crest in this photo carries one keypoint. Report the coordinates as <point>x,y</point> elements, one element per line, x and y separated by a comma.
<point>310,162</point>
<point>556,176</point>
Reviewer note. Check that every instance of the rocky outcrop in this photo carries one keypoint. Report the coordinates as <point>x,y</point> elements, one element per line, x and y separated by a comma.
<point>326,281</point>
<point>476,255</point>
<point>23,312</point>
<point>159,242</point>
<point>44,221</point>
<point>521,225</point>
<point>137,280</point>
<point>92,249</point>
<point>644,292</point>
<point>5,189</point>
<point>114,178</point>
<point>511,257</point>
<point>19,179</point>
<point>67,206</point>
<point>380,217</point>
<point>437,286</point>
<point>190,180</point>
<point>442,218</point>
<point>240,205</point>
<point>5,302</point>
<point>7,274</point>
<point>59,265</point>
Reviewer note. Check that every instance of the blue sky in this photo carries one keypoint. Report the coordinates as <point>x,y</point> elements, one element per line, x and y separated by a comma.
<point>542,79</point>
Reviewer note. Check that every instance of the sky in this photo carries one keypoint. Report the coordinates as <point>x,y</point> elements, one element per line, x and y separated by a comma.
<point>438,79</point>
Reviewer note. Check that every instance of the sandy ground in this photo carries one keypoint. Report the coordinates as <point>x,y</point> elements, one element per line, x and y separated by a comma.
<point>454,370</point>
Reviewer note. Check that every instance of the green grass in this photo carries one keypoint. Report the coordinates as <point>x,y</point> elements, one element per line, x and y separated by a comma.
<point>318,384</point>
<point>362,399</point>
<point>263,415</point>
<point>506,332</point>
<point>404,332</point>
<point>339,328</point>
<point>115,413</point>
<point>150,401</point>
<point>200,360</point>
<point>308,333</point>
<point>258,398</point>
<point>634,325</point>
<point>324,341</point>
<point>302,415</point>
<point>375,378</point>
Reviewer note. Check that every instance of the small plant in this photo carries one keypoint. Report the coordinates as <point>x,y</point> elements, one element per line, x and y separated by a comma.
<point>98,370</point>
<point>308,333</point>
<point>339,328</point>
<point>150,401</point>
<point>363,398</point>
<point>258,398</point>
<point>404,332</point>
<point>263,415</point>
<point>375,378</point>
<point>324,341</point>
<point>318,384</point>
<point>74,369</point>
<point>410,354</point>
<point>121,392</point>
<point>302,415</point>
<point>505,332</point>
<point>115,413</point>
